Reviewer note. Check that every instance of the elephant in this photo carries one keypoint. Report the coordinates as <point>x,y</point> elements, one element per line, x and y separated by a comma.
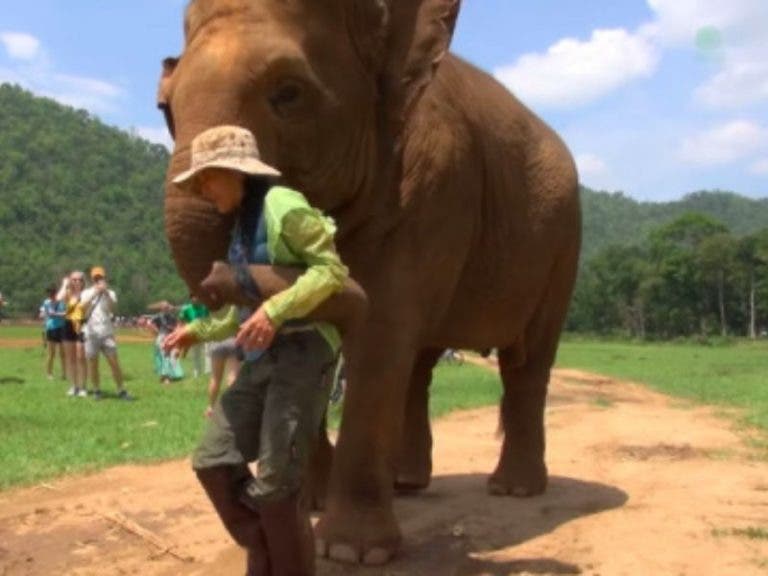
<point>457,211</point>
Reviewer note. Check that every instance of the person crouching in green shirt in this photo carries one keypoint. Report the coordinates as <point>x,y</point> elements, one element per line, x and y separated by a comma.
<point>273,411</point>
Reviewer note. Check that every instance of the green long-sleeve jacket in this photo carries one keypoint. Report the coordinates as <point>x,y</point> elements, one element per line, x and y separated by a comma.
<point>297,235</point>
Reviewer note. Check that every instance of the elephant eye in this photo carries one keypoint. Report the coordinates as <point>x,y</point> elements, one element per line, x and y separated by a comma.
<point>286,98</point>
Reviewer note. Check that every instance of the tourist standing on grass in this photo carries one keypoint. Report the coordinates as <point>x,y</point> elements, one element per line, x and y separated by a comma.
<point>190,312</point>
<point>71,290</point>
<point>226,356</point>
<point>274,410</point>
<point>99,302</point>
<point>52,313</point>
<point>167,364</point>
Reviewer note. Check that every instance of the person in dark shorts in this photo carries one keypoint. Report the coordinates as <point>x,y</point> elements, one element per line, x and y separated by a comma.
<point>273,411</point>
<point>52,313</point>
<point>73,337</point>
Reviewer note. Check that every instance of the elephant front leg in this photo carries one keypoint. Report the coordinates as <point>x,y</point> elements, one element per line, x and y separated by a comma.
<point>414,463</point>
<point>359,523</point>
<point>315,488</point>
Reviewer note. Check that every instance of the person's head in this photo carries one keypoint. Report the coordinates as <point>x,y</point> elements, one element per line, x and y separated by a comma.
<point>224,158</point>
<point>76,280</point>
<point>98,274</point>
<point>51,291</point>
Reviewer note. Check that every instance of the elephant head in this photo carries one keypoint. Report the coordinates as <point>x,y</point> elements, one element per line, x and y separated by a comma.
<point>325,85</point>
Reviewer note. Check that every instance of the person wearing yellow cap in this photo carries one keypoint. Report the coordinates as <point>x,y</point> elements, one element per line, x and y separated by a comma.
<point>99,303</point>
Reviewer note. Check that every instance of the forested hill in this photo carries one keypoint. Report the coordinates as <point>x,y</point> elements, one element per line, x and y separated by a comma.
<point>76,193</point>
<point>611,219</point>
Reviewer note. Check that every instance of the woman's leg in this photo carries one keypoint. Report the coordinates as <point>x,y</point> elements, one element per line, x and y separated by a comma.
<point>62,360</point>
<point>231,440</point>
<point>294,407</point>
<point>69,362</point>
<point>214,383</point>
<point>233,367</point>
<point>81,367</point>
<point>49,362</point>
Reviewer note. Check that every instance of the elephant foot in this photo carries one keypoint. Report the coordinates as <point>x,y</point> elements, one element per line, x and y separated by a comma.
<point>315,486</point>
<point>313,494</point>
<point>409,482</point>
<point>519,481</point>
<point>370,538</point>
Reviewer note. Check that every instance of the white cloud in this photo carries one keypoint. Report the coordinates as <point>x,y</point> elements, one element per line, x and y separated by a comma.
<point>740,83</point>
<point>760,168</point>
<point>32,69</point>
<point>590,165</point>
<point>573,72</point>
<point>81,92</point>
<point>724,144</point>
<point>738,29</point>
<point>679,21</point>
<point>20,46</point>
<point>158,135</point>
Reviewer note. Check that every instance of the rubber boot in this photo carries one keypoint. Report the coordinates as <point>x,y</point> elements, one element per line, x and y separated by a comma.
<point>289,535</point>
<point>222,484</point>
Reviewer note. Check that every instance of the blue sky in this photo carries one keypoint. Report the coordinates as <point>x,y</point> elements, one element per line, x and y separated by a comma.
<point>655,98</point>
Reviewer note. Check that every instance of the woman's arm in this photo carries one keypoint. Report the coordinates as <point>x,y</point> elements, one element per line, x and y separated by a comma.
<point>308,237</point>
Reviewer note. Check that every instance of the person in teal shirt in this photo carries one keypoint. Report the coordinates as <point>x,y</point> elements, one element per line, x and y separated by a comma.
<point>273,411</point>
<point>52,312</point>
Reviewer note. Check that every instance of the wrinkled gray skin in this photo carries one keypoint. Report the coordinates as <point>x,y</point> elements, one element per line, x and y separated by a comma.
<point>457,209</point>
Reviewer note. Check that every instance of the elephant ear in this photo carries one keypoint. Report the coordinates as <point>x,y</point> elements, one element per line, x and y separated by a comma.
<point>164,92</point>
<point>419,34</point>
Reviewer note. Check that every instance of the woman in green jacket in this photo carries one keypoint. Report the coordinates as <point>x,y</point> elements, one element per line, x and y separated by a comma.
<point>273,411</point>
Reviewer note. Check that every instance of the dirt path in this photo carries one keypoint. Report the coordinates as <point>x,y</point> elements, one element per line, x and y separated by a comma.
<point>640,484</point>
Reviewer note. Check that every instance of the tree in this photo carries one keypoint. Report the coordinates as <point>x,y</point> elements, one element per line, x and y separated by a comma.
<point>608,295</point>
<point>716,256</point>
<point>76,193</point>
<point>678,295</point>
<point>752,263</point>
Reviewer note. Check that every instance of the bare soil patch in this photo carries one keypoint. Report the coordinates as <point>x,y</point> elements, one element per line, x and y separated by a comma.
<point>639,485</point>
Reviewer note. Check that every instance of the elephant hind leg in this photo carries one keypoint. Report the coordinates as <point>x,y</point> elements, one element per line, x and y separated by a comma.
<point>414,463</point>
<point>521,470</point>
<point>525,369</point>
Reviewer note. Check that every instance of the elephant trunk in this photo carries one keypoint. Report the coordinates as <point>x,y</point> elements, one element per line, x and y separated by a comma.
<point>197,234</point>
<point>346,309</point>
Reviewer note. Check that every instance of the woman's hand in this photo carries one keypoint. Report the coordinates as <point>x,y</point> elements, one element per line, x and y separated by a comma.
<point>256,332</point>
<point>180,341</point>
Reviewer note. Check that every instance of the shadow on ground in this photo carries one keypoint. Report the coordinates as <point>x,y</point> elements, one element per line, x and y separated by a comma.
<point>455,528</point>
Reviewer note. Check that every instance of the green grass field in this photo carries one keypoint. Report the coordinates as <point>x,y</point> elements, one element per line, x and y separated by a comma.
<point>46,434</point>
<point>731,374</point>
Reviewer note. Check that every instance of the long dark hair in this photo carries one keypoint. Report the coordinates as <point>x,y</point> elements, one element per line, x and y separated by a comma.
<point>256,188</point>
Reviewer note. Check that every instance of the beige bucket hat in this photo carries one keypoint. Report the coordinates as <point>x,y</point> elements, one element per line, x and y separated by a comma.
<point>230,147</point>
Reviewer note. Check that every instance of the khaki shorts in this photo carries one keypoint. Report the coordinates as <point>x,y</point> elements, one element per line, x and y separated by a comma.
<point>272,413</point>
<point>95,343</point>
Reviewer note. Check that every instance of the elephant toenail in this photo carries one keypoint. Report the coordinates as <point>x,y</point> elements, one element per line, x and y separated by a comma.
<point>321,548</point>
<point>376,557</point>
<point>519,491</point>
<point>343,553</point>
